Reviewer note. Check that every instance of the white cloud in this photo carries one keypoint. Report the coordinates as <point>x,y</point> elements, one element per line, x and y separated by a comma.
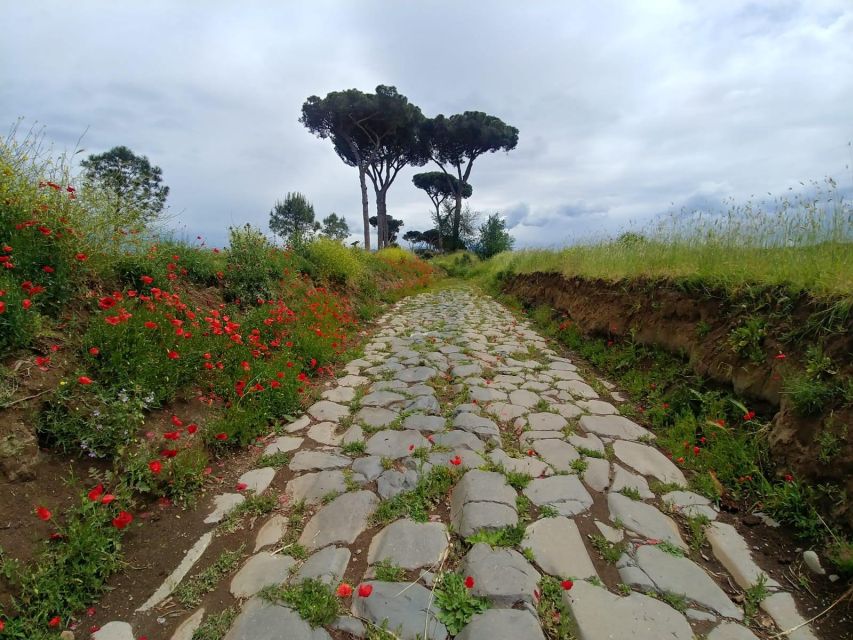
<point>624,108</point>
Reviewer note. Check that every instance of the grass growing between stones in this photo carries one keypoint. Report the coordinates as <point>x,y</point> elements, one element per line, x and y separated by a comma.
<point>275,460</point>
<point>387,571</point>
<point>610,552</point>
<point>312,599</point>
<point>252,507</point>
<point>190,592</point>
<point>417,503</point>
<point>216,625</point>
<point>355,448</point>
<point>456,604</point>
<point>510,536</point>
<point>557,622</point>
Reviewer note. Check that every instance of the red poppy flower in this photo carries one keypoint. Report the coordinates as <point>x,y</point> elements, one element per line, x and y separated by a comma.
<point>531,452</point>
<point>176,421</point>
<point>26,303</point>
<point>567,585</point>
<point>411,447</point>
<point>192,428</point>
<point>172,435</point>
<point>93,351</point>
<point>469,582</point>
<point>54,622</point>
<point>85,380</point>
<point>156,466</point>
<point>2,307</point>
<point>47,269</point>
<point>364,590</point>
<point>169,453</point>
<point>344,590</point>
<point>106,302</point>
<point>696,451</point>
<point>173,355</point>
<point>456,461</point>
<point>241,486</point>
<point>680,460</point>
<point>122,520</point>
<point>108,498</point>
<point>221,436</point>
<point>789,477</point>
<point>95,494</point>
<point>2,625</point>
<point>749,415</point>
<point>43,513</point>
<point>81,257</point>
<point>780,356</point>
<point>42,362</point>
<point>146,279</point>
<point>150,325</point>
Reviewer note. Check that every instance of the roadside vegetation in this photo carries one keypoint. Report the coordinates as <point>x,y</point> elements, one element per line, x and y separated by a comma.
<point>783,277</point>
<point>150,356</point>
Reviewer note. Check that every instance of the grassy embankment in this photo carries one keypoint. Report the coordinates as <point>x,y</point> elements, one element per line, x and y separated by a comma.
<point>152,357</point>
<point>804,249</point>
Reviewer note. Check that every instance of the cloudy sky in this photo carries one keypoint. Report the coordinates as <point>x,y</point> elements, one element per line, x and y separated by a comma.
<point>625,109</point>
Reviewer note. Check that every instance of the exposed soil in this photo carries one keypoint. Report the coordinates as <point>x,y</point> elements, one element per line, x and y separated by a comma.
<point>696,325</point>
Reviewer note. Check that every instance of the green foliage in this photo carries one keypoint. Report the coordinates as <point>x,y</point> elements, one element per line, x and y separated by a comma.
<point>667,547</point>
<point>808,395</point>
<point>190,592</point>
<point>631,492</point>
<point>494,237</point>
<point>840,553</point>
<point>747,339</point>
<point>356,447</point>
<point>387,571</point>
<point>794,503</point>
<point>250,274</point>
<point>94,425</point>
<point>335,227</point>
<point>417,503</point>
<point>254,505</point>
<point>610,552</point>
<point>276,460</point>
<point>456,605</point>
<point>830,441</point>
<point>517,480</point>
<point>509,536</point>
<point>547,511</point>
<point>293,219</point>
<point>132,185</point>
<point>67,574</point>
<point>555,617</point>
<point>312,599</point>
<point>216,625</point>
<point>696,528</point>
<point>753,597</point>
<point>330,260</point>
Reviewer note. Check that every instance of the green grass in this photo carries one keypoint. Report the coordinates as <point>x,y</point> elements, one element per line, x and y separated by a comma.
<point>509,536</point>
<point>417,503</point>
<point>314,600</point>
<point>387,571</point>
<point>608,551</point>
<point>252,506</point>
<point>191,591</point>
<point>216,625</point>
<point>801,243</point>
<point>557,622</point>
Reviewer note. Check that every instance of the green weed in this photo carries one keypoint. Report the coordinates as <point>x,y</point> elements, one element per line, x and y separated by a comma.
<point>314,600</point>
<point>456,605</point>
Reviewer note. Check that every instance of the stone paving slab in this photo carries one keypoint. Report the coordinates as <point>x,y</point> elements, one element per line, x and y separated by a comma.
<point>407,609</point>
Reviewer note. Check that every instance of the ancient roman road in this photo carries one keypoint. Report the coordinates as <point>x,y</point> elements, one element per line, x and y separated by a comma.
<point>452,380</point>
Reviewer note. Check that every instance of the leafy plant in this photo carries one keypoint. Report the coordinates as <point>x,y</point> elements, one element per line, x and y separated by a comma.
<point>753,597</point>
<point>555,617</point>
<point>456,605</point>
<point>190,592</point>
<point>610,552</point>
<point>509,536</point>
<point>416,503</point>
<point>313,599</point>
<point>387,571</point>
<point>748,337</point>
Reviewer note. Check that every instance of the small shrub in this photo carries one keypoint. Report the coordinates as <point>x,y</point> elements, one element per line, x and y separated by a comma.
<point>747,339</point>
<point>331,260</point>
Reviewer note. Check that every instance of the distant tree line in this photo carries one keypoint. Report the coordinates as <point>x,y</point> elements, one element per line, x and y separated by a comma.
<point>380,133</point>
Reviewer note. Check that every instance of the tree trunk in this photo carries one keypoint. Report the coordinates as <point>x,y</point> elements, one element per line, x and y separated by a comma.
<point>438,224</point>
<point>381,218</point>
<point>365,212</point>
<point>457,219</point>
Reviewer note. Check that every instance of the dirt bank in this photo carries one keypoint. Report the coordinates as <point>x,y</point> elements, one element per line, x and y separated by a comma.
<point>697,323</point>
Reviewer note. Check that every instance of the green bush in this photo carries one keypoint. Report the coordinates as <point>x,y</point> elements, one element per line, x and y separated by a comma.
<point>808,395</point>
<point>330,260</point>
<point>250,273</point>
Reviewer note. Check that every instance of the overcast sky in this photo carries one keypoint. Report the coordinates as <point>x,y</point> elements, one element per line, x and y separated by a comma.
<point>625,109</point>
